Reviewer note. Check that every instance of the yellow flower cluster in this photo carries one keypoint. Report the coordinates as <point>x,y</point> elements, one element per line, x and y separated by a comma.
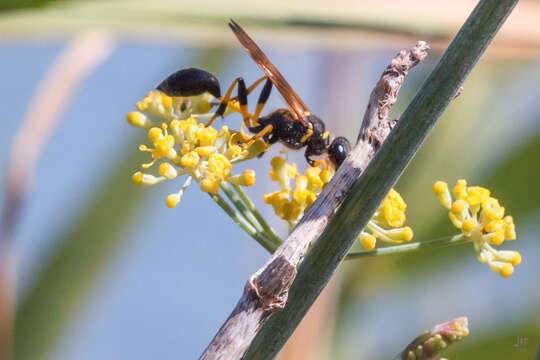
<point>185,147</point>
<point>290,203</point>
<point>387,223</point>
<point>481,219</point>
<point>158,107</point>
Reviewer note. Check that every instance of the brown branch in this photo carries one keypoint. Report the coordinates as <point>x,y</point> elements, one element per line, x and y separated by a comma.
<point>267,289</point>
<point>385,93</point>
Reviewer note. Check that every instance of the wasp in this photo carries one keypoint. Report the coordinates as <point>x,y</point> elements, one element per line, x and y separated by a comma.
<point>295,127</point>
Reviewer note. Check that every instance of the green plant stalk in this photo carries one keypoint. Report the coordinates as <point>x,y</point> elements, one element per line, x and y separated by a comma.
<point>381,174</point>
<point>268,229</point>
<point>399,249</point>
<point>243,223</point>
<point>239,205</point>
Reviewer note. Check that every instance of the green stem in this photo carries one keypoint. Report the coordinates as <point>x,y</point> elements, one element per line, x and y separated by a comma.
<point>239,205</point>
<point>398,249</point>
<point>243,223</point>
<point>267,228</point>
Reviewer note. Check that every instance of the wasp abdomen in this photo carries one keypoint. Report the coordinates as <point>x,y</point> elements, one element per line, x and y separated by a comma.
<point>190,82</point>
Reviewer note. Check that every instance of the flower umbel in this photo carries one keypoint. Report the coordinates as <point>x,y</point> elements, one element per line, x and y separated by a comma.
<point>481,219</point>
<point>185,147</point>
<point>290,203</point>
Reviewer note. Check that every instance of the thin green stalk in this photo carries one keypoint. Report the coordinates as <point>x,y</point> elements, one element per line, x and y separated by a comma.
<point>399,249</point>
<point>243,223</point>
<point>381,174</point>
<point>268,229</point>
<point>239,205</point>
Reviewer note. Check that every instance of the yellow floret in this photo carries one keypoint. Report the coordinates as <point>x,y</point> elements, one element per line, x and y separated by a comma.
<point>510,229</point>
<point>205,151</point>
<point>145,179</point>
<point>166,101</point>
<point>313,176</point>
<point>186,147</point>
<point>172,200</point>
<point>512,257</point>
<point>460,190</point>
<point>154,134</point>
<point>301,195</point>
<point>249,176</point>
<point>502,268</point>
<point>209,185</point>
<point>291,211</point>
<point>137,178</point>
<point>138,119</point>
<point>234,151</point>
<point>476,195</point>
<point>326,176</point>
<point>439,187</point>
<point>495,226</point>
<point>278,199</point>
<point>191,159</point>
<point>206,136</point>
<point>368,241</point>
<point>492,209</point>
<point>167,170</point>
<point>394,209</point>
<point>468,225</point>
<point>407,233</point>
<point>141,105</point>
<point>164,144</point>
<point>459,206</point>
<point>497,238</point>
<point>219,165</point>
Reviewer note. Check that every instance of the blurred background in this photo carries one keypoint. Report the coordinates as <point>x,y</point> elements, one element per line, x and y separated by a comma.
<point>102,268</point>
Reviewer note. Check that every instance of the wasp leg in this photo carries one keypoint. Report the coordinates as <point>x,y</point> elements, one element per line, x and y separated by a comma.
<point>320,162</point>
<point>266,130</point>
<point>255,84</point>
<point>262,131</point>
<point>242,99</point>
<point>225,100</point>
<point>314,163</point>
<point>243,92</point>
<point>263,97</point>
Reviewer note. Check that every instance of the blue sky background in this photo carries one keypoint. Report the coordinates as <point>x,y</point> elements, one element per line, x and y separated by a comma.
<point>180,272</point>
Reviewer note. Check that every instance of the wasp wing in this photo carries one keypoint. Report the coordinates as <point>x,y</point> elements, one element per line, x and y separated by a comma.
<point>291,98</point>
